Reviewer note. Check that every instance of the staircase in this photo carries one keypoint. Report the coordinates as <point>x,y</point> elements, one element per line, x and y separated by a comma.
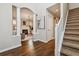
<point>70,46</point>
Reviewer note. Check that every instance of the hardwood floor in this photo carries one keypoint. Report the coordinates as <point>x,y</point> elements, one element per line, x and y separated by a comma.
<point>30,48</point>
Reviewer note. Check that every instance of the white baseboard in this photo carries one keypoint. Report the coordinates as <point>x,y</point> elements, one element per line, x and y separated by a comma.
<point>36,40</point>
<point>10,48</point>
<point>45,41</point>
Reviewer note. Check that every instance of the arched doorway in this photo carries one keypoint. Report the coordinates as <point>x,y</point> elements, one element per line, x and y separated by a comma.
<point>26,23</point>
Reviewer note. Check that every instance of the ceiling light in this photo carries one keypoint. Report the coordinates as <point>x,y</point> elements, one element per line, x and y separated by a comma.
<point>56,10</point>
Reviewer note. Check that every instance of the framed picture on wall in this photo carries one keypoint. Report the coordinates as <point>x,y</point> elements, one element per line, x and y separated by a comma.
<point>41,22</point>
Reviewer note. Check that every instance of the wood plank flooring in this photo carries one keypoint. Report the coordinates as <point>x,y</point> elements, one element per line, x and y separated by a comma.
<point>30,48</point>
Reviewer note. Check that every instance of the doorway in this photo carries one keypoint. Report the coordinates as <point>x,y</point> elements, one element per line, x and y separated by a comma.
<point>26,23</point>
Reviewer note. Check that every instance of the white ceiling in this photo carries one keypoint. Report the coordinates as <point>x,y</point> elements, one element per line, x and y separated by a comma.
<point>55,9</point>
<point>34,6</point>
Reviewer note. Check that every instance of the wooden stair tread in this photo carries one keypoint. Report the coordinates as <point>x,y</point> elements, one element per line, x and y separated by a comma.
<point>73,24</point>
<point>70,32</point>
<point>71,38</point>
<point>73,16</point>
<point>73,44</point>
<point>72,28</point>
<point>70,51</point>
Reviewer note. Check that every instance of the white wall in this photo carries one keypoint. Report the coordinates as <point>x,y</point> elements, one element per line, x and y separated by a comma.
<point>73,5</point>
<point>7,41</point>
<point>47,33</point>
<point>50,26</point>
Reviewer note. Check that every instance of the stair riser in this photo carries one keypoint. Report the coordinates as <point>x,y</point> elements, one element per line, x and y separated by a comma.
<point>74,12</point>
<point>74,16</point>
<point>72,33</point>
<point>73,19</point>
<point>72,30</point>
<point>77,26</point>
<point>72,26</point>
<point>72,22</point>
<point>71,39</point>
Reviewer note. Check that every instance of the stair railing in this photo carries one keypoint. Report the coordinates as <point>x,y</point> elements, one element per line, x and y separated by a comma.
<point>58,35</point>
<point>59,31</point>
